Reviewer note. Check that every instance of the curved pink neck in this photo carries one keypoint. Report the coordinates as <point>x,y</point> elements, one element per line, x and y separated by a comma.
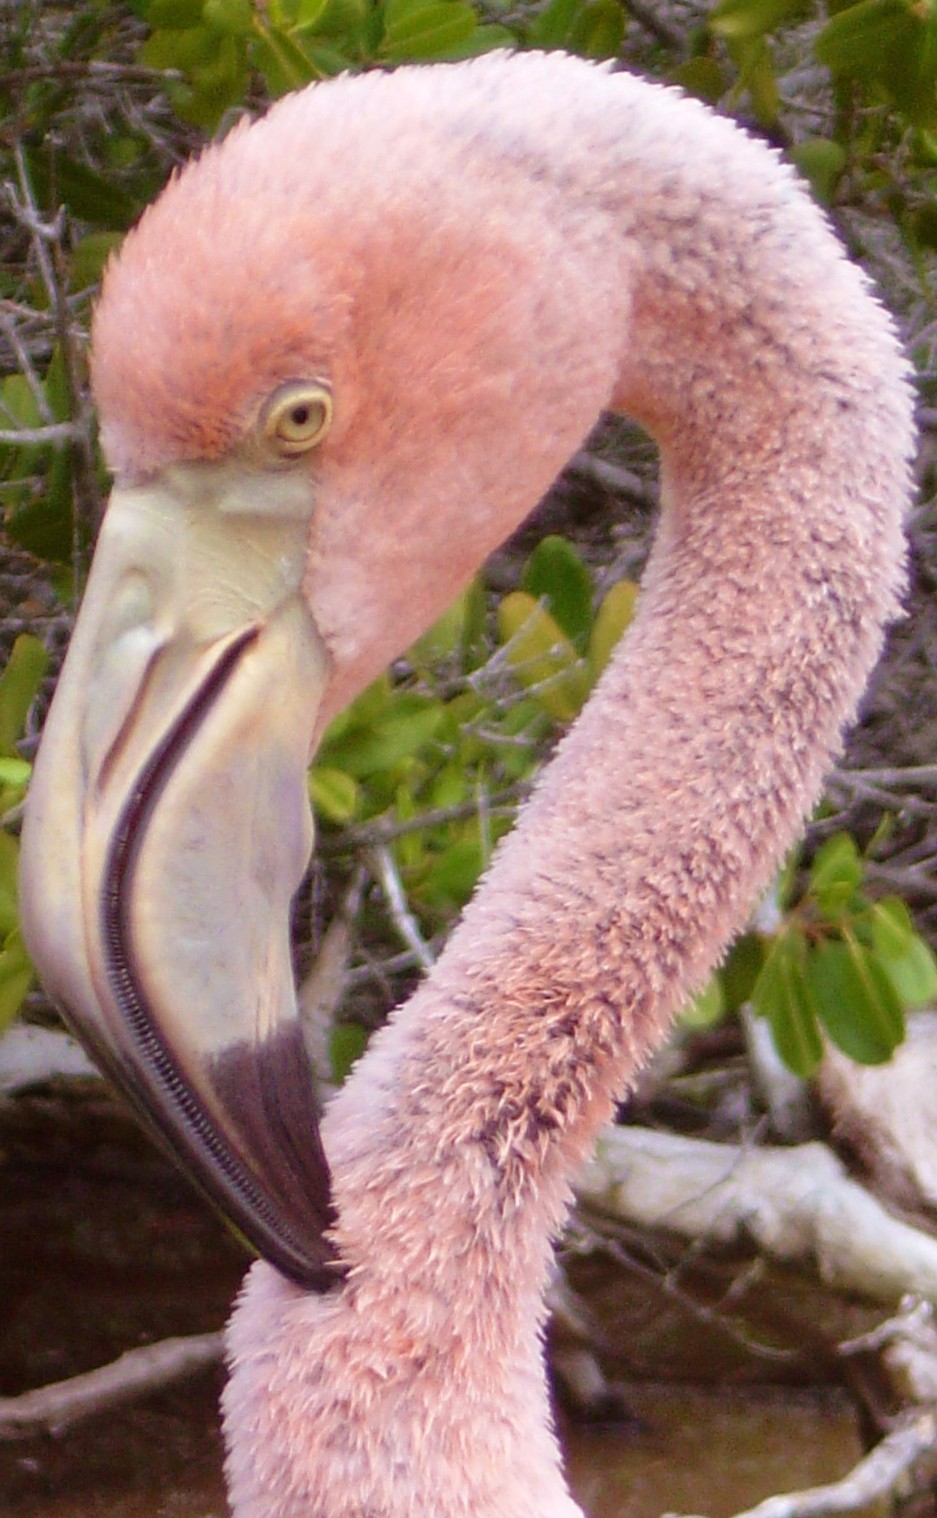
<point>771,381</point>
<point>754,354</point>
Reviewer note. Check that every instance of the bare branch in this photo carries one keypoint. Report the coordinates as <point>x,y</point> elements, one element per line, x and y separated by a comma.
<point>32,1056</point>
<point>378,833</point>
<point>28,370</point>
<point>94,70</point>
<point>55,432</point>
<point>614,478</point>
<point>912,774</point>
<point>50,1409</point>
<point>909,880</point>
<point>396,898</point>
<point>795,1204</point>
<point>44,233</point>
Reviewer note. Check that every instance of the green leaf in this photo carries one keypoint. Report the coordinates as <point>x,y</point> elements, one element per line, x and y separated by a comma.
<point>743,19</point>
<point>328,18</point>
<point>19,684</point>
<point>856,1001</point>
<point>475,648</point>
<point>409,724</point>
<point>347,1043</point>
<point>361,714</point>
<point>21,409</point>
<point>284,64</point>
<point>556,575</point>
<point>856,40</point>
<point>329,62</point>
<point>703,77</point>
<point>9,864</point>
<point>90,256</point>
<point>44,524</point>
<point>906,958</point>
<point>742,968</point>
<point>835,876</point>
<point>707,1008</point>
<point>756,75</point>
<point>333,793</point>
<point>782,995</point>
<point>91,197</point>
<point>555,23</point>
<point>822,162</point>
<point>446,636</point>
<point>454,874</point>
<point>923,225</point>
<point>16,977</point>
<point>217,84</point>
<point>178,48</point>
<point>541,657</point>
<point>914,975</point>
<point>410,848</point>
<point>15,774</point>
<point>19,402</point>
<point>889,46</point>
<point>417,29</point>
<point>173,13</point>
<point>449,787</point>
<point>892,927</point>
<point>234,18</point>
<point>612,618</point>
<point>484,39</point>
<point>599,30</point>
<point>305,15</point>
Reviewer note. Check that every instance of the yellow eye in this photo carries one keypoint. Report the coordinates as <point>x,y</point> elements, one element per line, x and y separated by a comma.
<point>297,417</point>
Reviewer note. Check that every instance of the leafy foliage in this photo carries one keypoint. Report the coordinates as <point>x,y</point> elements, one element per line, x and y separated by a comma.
<point>429,762</point>
<point>840,965</point>
<point>19,684</point>
<point>216,44</point>
<point>439,759</point>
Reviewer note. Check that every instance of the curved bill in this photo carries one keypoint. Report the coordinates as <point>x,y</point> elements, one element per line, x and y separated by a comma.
<point>168,827</point>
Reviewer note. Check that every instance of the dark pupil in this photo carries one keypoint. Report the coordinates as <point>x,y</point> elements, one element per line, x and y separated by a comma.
<point>300,415</point>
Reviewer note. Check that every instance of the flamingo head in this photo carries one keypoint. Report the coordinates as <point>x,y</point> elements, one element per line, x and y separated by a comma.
<point>308,361</point>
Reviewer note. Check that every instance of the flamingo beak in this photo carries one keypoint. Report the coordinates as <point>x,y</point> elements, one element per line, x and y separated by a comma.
<point>168,827</point>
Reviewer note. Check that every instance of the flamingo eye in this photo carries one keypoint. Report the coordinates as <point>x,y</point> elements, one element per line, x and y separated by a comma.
<point>297,417</point>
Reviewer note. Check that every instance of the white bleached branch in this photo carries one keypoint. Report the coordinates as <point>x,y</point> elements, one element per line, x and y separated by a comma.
<point>796,1204</point>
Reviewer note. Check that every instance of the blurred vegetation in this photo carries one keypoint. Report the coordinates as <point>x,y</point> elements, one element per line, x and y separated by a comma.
<point>415,783</point>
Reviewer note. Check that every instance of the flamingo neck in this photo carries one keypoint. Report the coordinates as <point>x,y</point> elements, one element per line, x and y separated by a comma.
<point>753,353</point>
<point>772,382</point>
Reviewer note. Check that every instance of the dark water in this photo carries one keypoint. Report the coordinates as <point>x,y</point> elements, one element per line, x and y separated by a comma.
<point>102,1248</point>
<point>702,1450</point>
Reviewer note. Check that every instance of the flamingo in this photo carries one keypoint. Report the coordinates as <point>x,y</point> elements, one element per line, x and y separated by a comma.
<point>336,363</point>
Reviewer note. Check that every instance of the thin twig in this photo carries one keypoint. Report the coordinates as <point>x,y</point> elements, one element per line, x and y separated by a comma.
<point>47,242</point>
<point>378,834</point>
<point>94,68</point>
<point>55,432</point>
<point>404,921</point>
<point>27,368</point>
<point>914,1317</point>
<point>613,478</point>
<point>44,233</point>
<point>912,774</point>
<point>916,880</point>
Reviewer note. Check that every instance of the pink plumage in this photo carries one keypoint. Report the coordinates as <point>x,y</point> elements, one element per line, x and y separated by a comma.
<point>477,260</point>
